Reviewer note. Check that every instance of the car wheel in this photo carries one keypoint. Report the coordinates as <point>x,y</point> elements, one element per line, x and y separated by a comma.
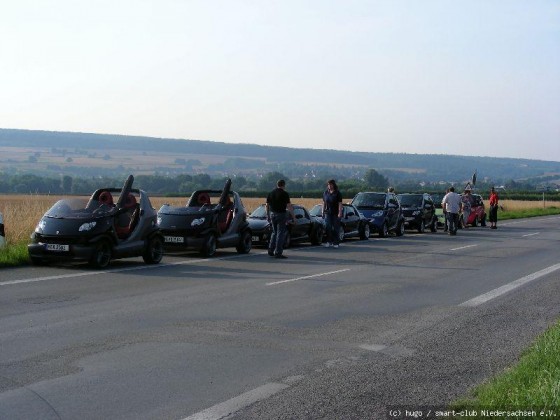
<point>433,226</point>
<point>365,231</point>
<point>317,236</point>
<point>475,221</point>
<point>421,227</point>
<point>287,240</point>
<point>245,243</point>
<point>37,261</point>
<point>341,234</point>
<point>384,231</point>
<point>400,229</point>
<point>483,221</point>
<point>154,251</point>
<point>209,247</point>
<point>101,255</point>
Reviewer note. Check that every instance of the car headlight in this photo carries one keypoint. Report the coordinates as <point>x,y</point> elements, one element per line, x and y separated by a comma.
<point>378,213</point>
<point>86,227</point>
<point>416,212</point>
<point>40,226</point>
<point>159,220</point>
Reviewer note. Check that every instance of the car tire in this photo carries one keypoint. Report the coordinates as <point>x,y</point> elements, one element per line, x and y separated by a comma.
<point>287,240</point>
<point>341,233</point>
<point>38,261</point>
<point>101,255</point>
<point>400,229</point>
<point>384,231</point>
<point>317,236</point>
<point>154,250</point>
<point>245,243</point>
<point>365,231</point>
<point>209,248</point>
<point>433,226</point>
<point>483,221</point>
<point>475,221</point>
<point>421,227</point>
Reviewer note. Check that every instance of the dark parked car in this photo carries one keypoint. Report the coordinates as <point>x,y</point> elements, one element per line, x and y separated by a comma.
<point>419,211</point>
<point>352,223</point>
<point>99,229</point>
<point>478,212</point>
<point>305,227</point>
<point>211,219</point>
<point>382,210</point>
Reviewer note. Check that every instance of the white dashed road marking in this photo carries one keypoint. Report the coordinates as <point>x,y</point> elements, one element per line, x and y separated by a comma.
<point>307,277</point>
<point>479,300</point>
<point>229,407</point>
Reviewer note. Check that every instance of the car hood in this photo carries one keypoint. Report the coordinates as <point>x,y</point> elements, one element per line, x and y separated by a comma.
<point>257,224</point>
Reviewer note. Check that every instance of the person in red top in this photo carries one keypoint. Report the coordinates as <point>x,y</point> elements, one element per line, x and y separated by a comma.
<point>493,208</point>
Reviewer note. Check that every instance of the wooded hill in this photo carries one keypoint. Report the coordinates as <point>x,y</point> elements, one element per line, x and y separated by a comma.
<point>48,153</point>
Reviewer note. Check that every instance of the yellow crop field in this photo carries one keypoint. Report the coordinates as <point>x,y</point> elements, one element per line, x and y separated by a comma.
<point>21,213</point>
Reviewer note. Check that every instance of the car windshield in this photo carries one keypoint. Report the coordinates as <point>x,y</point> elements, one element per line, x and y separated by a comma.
<point>317,210</point>
<point>369,201</point>
<point>78,208</point>
<point>259,212</point>
<point>410,200</point>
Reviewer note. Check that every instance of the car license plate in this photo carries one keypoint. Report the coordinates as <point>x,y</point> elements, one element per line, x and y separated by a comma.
<point>175,239</point>
<point>255,238</point>
<point>58,247</point>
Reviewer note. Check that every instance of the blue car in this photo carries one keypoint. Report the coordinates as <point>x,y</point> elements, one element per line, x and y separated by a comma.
<point>382,210</point>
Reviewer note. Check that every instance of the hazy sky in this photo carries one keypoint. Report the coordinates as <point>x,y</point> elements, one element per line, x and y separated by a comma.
<point>477,77</point>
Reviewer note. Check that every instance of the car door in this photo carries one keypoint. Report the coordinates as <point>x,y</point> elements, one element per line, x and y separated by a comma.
<point>351,220</point>
<point>428,209</point>
<point>302,223</point>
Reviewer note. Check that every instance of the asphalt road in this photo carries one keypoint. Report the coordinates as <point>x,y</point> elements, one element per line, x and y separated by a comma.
<point>370,330</point>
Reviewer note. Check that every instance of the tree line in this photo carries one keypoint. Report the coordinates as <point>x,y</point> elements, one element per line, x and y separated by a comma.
<point>309,186</point>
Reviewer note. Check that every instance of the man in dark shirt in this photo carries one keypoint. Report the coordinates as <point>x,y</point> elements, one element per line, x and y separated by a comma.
<point>277,206</point>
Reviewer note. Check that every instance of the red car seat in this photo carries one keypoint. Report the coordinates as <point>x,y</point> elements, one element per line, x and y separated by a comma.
<point>106,198</point>
<point>203,198</point>
<point>126,222</point>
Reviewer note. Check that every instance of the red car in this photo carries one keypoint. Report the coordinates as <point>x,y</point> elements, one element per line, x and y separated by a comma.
<point>478,212</point>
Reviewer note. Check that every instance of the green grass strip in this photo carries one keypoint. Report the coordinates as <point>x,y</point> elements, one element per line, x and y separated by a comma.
<point>520,214</point>
<point>14,255</point>
<point>533,384</point>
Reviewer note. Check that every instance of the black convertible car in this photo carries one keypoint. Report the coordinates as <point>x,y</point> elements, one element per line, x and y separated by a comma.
<point>211,219</point>
<point>352,223</point>
<point>305,227</point>
<point>99,229</point>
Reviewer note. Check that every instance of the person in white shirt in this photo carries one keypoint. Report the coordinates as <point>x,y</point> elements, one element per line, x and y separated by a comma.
<point>451,204</point>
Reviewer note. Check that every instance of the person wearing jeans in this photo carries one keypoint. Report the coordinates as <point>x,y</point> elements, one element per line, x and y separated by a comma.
<point>277,207</point>
<point>332,212</point>
<point>451,204</point>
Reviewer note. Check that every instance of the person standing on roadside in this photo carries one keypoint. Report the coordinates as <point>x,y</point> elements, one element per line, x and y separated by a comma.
<point>332,212</point>
<point>277,207</point>
<point>493,208</point>
<point>466,205</point>
<point>451,204</point>
<point>445,220</point>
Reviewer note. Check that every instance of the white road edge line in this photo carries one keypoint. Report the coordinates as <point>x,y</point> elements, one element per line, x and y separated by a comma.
<point>530,234</point>
<point>463,247</point>
<point>229,407</point>
<point>479,300</point>
<point>307,277</point>
<point>120,270</point>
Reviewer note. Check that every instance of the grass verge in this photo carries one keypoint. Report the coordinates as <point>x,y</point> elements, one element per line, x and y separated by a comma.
<point>532,385</point>
<point>523,213</point>
<point>14,255</point>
